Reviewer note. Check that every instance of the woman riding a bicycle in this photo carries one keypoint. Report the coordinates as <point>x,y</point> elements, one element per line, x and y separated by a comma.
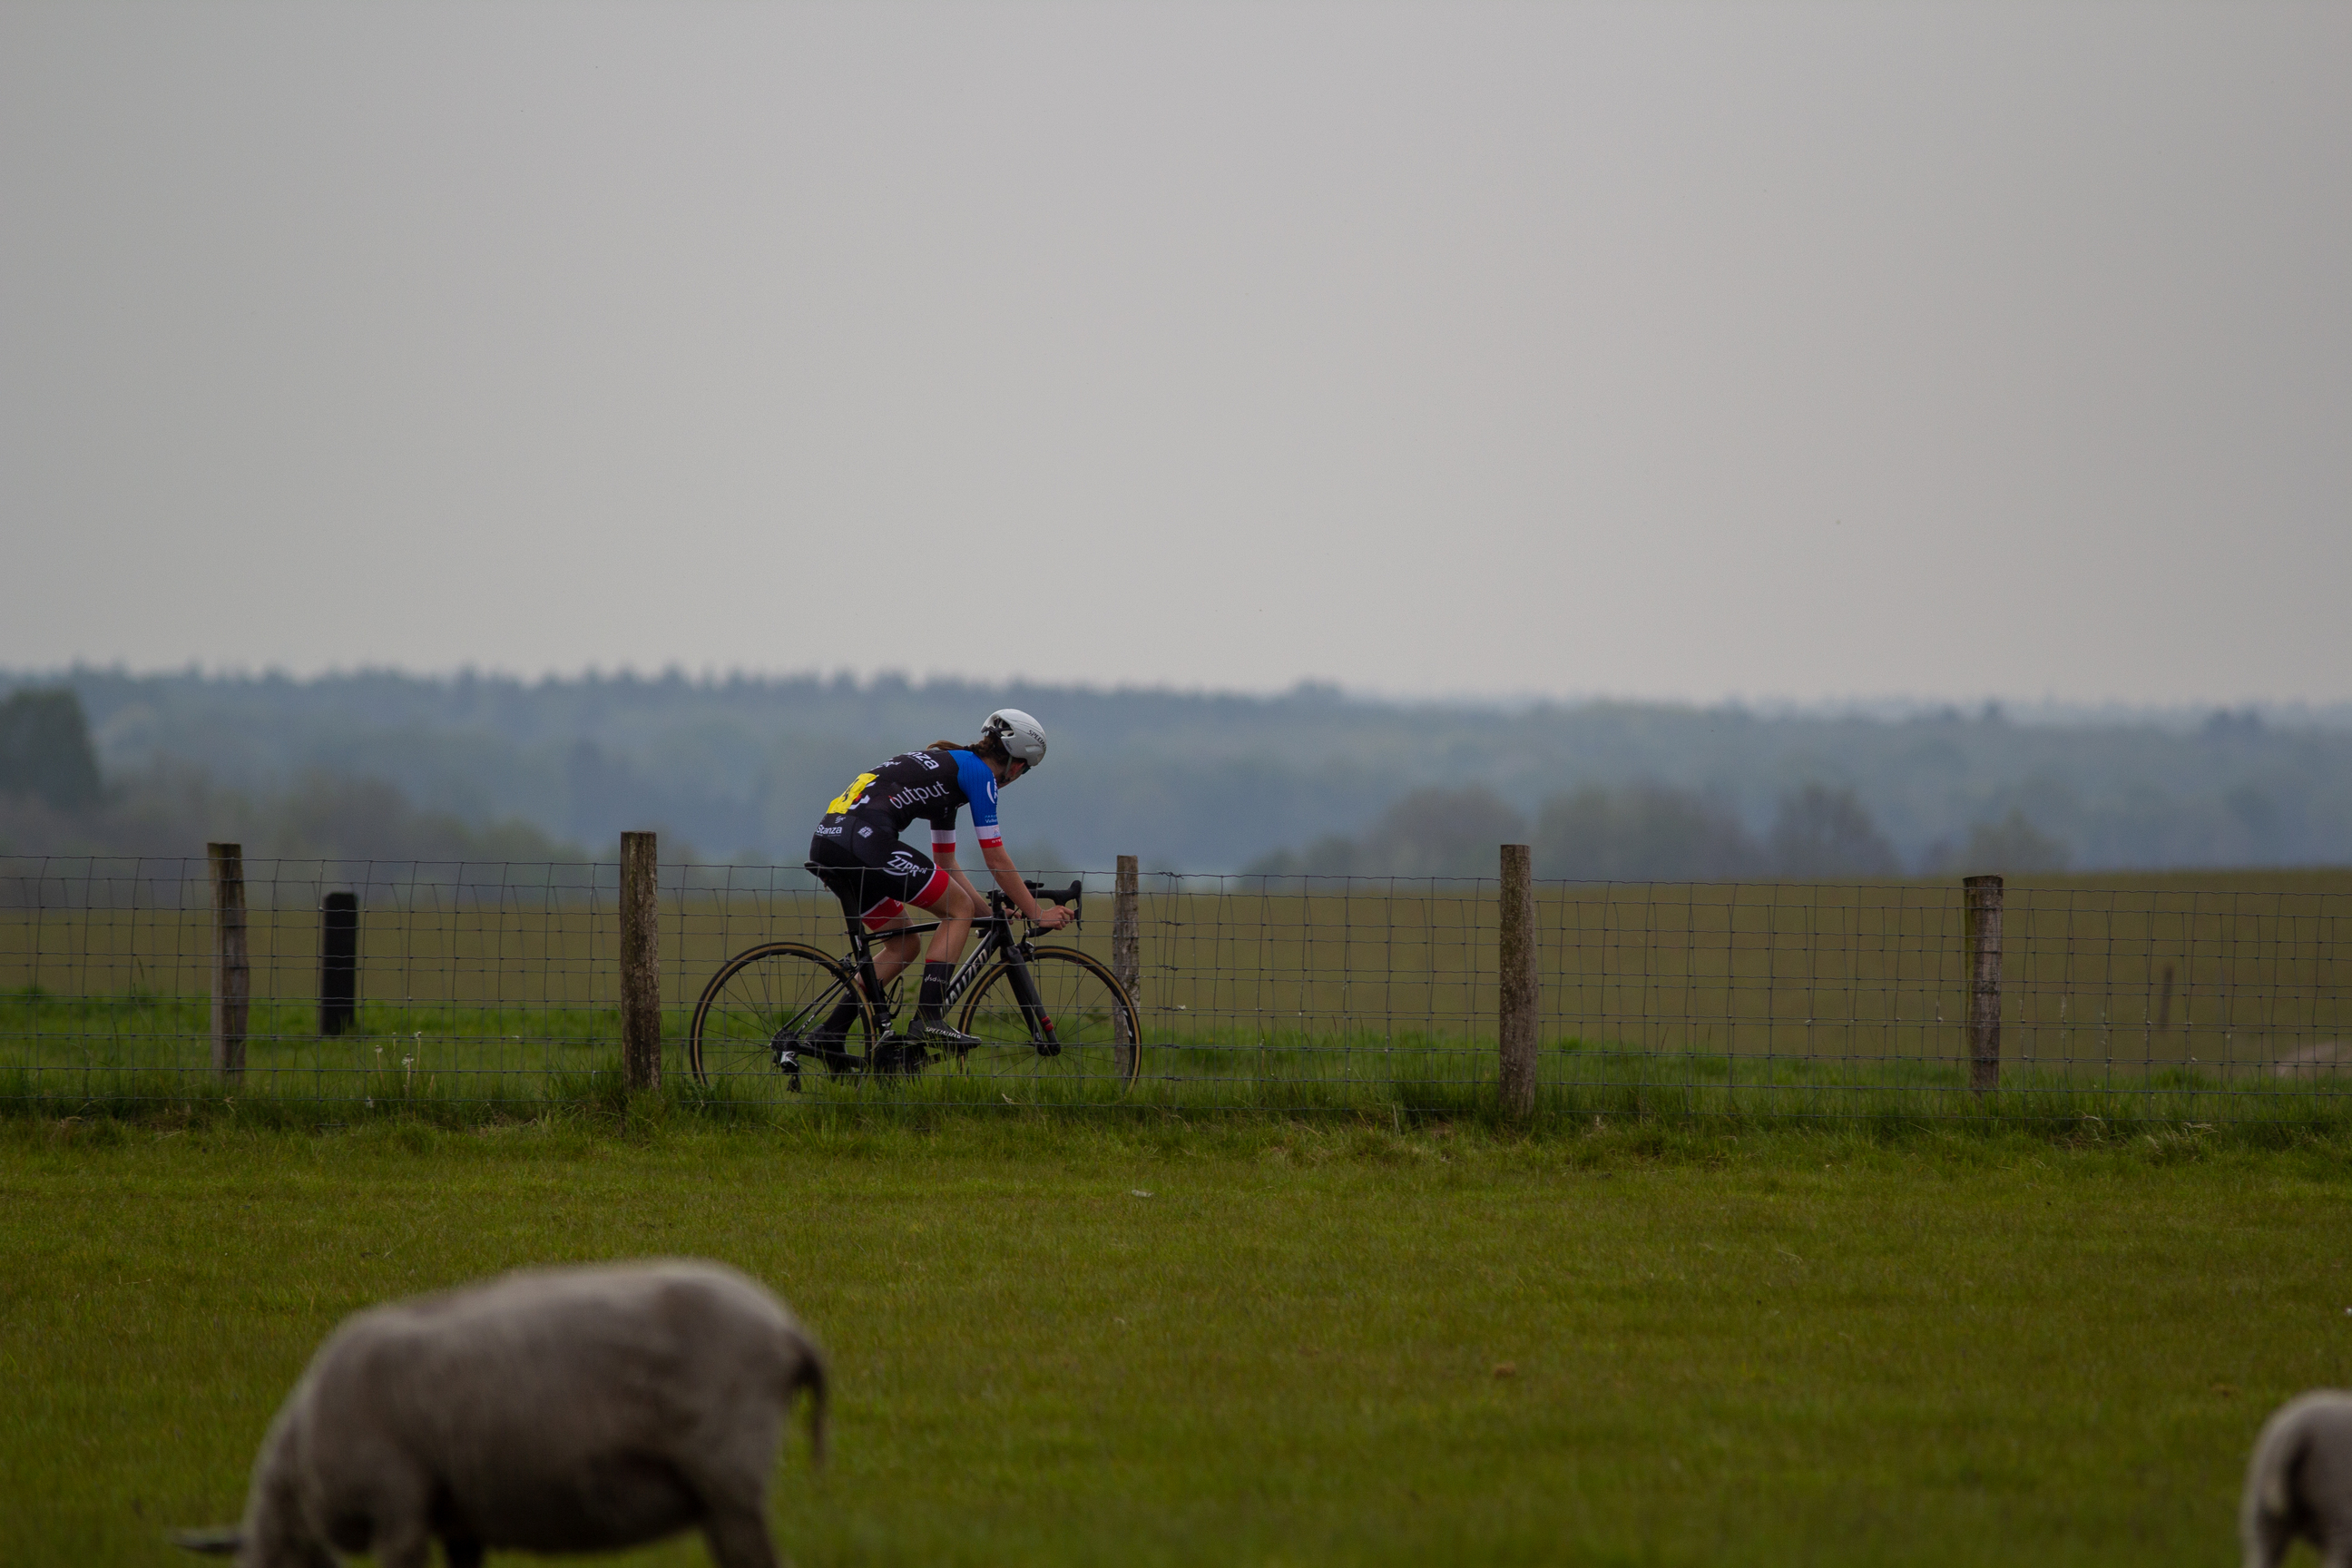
<point>857,852</point>
<point>1036,1019</point>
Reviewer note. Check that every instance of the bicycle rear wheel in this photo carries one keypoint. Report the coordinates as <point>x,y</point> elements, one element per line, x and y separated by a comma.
<point>766,1001</point>
<point>1078,1025</point>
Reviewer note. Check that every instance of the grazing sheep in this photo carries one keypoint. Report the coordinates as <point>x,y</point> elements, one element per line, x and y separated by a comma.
<point>2299,1482</point>
<point>551,1410</point>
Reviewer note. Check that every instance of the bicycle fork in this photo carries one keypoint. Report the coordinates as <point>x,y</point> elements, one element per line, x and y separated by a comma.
<point>1032,1010</point>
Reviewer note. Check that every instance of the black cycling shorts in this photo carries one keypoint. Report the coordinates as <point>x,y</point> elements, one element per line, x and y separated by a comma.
<point>874,874</point>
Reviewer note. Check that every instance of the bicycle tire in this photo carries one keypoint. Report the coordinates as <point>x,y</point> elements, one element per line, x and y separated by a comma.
<point>1083,1004</point>
<point>776,988</point>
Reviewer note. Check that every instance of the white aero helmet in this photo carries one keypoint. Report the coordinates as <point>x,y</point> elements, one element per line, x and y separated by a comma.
<point>1024,738</point>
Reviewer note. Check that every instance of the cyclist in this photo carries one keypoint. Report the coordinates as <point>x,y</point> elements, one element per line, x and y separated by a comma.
<point>857,853</point>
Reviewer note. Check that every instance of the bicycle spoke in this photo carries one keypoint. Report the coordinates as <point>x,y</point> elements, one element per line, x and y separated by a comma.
<point>1068,1029</point>
<point>759,1021</point>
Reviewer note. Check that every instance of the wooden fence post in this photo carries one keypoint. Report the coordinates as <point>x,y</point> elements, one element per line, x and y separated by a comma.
<point>1517,1000</point>
<point>641,1042</point>
<point>232,970</point>
<point>339,963</point>
<point>1127,954</point>
<point>1983,895</point>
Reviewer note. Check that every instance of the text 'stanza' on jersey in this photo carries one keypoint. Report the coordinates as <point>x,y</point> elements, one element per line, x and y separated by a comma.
<point>933,785</point>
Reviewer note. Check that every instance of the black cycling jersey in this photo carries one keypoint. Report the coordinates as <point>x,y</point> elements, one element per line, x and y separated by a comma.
<point>930,784</point>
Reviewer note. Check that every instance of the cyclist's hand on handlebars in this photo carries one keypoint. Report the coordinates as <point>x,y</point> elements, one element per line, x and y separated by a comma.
<point>1054,918</point>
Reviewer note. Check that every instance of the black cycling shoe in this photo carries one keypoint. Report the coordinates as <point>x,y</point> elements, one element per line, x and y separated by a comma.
<point>935,1032</point>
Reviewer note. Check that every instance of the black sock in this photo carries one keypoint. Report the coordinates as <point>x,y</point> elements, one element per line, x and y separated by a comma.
<point>934,994</point>
<point>837,1023</point>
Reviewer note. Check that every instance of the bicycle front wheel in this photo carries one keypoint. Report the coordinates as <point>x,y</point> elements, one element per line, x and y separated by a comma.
<point>765,1001</point>
<point>1061,1017</point>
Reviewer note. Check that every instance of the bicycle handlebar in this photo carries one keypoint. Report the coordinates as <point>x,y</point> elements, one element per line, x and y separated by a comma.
<point>1046,895</point>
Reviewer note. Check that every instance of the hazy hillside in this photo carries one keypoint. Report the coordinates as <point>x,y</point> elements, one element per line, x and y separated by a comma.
<point>741,767</point>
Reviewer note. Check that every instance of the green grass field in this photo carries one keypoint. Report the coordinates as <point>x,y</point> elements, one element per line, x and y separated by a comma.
<point>141,1056</point>
<point>1313,1341</point>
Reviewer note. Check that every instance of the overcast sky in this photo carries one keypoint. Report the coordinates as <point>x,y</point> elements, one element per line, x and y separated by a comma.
<point>1797,352</point>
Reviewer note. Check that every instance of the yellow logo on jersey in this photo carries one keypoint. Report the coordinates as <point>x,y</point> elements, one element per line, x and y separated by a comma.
<point>849,797</point>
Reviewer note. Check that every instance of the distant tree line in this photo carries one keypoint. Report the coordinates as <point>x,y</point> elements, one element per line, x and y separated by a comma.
<point>1646,832</point>
<point>1211,782</point>
<point>54,802</point>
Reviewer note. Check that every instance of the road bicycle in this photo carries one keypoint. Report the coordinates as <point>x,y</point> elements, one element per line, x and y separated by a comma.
<point>1050,1012</point>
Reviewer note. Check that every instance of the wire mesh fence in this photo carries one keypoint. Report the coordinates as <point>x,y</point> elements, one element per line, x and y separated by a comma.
<point>499,986</point>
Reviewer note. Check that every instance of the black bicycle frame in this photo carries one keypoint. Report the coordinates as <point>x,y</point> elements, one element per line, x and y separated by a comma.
<point>995,939</point>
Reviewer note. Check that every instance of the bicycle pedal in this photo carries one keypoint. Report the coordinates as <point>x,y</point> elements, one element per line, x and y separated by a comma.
<point>899,1054</point>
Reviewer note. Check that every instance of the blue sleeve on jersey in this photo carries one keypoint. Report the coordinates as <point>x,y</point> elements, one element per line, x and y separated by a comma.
<point>979,788</point>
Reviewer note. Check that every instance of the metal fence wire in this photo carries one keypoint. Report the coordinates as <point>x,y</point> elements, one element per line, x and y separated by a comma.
<point>2220,999</point>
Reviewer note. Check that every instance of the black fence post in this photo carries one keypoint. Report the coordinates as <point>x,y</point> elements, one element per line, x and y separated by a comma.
<point>339,964</point>
<point>232,970</point>
<point>1984,899</point>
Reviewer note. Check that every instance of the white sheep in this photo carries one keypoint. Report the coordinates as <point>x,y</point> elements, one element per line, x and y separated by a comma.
<point>2299,1482</point>
<point>550,1410</point>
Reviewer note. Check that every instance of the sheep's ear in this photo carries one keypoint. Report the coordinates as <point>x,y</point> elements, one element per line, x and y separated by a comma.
<point>218,1541</point>
<point>814,1378</point>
